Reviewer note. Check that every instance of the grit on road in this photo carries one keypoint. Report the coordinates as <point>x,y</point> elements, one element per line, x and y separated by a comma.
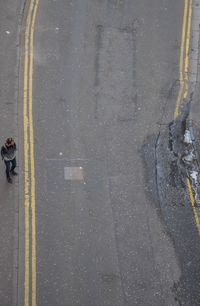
<point>102,73</point>
<point>99,82</point>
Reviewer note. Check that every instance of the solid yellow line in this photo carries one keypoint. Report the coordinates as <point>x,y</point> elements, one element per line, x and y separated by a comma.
<point>26,164</point>
<point>184,81</point>
<point>33,204</point>
<point>187,50</point>
<point>26,186</point>
<point>192,201</point>
<point>181,68</point>
<point>185,95</point>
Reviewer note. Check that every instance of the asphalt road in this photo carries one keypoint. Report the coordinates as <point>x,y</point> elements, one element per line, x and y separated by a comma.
<point>103,71</point>
<point>105,82</point>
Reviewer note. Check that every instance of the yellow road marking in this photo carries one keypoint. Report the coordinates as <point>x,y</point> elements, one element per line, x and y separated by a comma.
<point>187,50</point>
<point>26,165</point>
<point>192,201</point>
<point>182,61</point>
<point>184,81</point>
<point>28,125</point>
<point>32,157</point>
<point>29,188</point>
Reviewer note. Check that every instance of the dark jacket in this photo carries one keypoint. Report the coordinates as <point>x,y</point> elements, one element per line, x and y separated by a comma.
<point>8,153</point>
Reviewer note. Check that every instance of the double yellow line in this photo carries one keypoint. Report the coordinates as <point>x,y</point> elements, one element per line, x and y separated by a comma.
<point>184,81</point>
<point>29,165</point>
<point>184,57</point>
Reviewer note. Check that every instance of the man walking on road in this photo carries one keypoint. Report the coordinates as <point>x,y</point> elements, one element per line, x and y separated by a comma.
<point>8,153</point>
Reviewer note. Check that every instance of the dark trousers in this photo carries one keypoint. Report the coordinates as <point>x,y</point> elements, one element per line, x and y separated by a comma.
<point>9,163</point>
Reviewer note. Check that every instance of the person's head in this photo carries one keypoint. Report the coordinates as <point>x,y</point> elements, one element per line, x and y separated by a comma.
<point>9,142</point>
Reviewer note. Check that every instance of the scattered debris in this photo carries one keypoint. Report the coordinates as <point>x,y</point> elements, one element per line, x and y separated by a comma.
<point>194,176</point>
<point>189,156</point>
<point>187,137</point>
<point>185,151</point>
<point>191,159</point>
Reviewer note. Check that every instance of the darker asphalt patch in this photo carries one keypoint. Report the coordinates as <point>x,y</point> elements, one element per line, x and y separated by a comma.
<point>166,174</point>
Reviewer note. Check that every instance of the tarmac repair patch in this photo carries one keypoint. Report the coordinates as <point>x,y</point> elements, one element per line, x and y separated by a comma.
<point>115,73</point>
<point>73,173</point>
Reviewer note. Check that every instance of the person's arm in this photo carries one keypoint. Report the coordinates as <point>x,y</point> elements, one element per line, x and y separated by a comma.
<point>2,152</point>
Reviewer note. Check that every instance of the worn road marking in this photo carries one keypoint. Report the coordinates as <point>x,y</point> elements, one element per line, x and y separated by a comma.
<point>186,71</point>
<point>26,164</point>
<point>29,165</point>
<point>184,81</point>
<point>182,59</point>
<point>192,200</point>
<point>32,157</point>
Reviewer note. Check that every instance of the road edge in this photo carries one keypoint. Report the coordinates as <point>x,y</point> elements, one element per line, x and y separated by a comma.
<point>191,130</point>
<point>18,206</point>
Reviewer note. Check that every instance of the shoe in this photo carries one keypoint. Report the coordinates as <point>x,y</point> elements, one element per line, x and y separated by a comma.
<point>14,172</point>
<point>9,180</point>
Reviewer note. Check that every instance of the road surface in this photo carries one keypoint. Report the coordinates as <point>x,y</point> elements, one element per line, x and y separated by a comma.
<point>102,73</point>
<point>105,223</point>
